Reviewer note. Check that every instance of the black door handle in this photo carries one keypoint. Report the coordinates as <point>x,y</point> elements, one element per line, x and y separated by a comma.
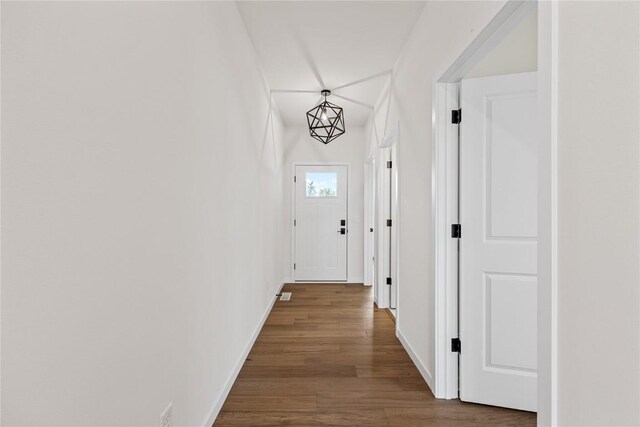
<point>342,230</point>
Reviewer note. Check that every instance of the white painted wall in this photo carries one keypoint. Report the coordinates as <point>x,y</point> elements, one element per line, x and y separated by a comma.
<point>598,196</point>
<point>349,148</point>
<point>454,25</point>
<point>598,213</point>
<point>516,53</point>
<point>141,209</point>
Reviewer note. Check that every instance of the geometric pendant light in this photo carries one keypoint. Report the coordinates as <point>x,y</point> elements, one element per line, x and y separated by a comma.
<point>326,121</point>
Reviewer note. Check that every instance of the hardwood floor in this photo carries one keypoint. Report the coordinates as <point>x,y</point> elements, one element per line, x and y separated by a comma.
<point>328,358</point>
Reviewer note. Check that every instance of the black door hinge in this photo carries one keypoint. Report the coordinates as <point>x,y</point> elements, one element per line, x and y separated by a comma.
<point>294,265</point>
<point>388,223</point>
<point>294,178</point>
<point>456,116</point>
<point>456,346</point>
<point>371,230</point>
<point>456,231</point>
<point>389,164</point>
<point>388,280</point>
<point>294,222</point>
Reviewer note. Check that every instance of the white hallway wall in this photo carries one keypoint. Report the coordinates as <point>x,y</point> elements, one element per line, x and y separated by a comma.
<point>598,213</point>
<point>422,61</point>
<point>141,209</point>
<point>299,147</point>
<point>598,174</point>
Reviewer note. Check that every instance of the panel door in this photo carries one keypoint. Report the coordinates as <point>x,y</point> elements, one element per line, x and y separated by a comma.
<point>498,258</point>
<point>321,223</point>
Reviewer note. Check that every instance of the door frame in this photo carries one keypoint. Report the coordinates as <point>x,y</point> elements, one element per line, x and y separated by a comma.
<point>387,264</point>
<point>445,200</point>
<point>292,259</point>
<point>370,195</point>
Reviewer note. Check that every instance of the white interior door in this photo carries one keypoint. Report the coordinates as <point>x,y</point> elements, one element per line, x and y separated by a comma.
<point>385,202</point>
<point>498,266</point>
<point>321,223</point>
<point>393,230</point>
<point>369,226</point>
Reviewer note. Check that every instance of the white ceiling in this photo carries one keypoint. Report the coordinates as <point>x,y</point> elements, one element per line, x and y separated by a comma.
<point>308,46</point>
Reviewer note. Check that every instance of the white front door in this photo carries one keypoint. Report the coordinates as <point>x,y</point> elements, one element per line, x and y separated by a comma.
<point>498,263</point>
<point>321,223</point>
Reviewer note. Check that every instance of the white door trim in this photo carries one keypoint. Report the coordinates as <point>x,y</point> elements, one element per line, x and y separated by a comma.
<point>393,138</point>
<point>445,201</point>
<point>445,249</point>
<point>382,260</point>
<point>548,214</point>
<point>292,255</point>
<point>386,150</point>
<point>369,222</point>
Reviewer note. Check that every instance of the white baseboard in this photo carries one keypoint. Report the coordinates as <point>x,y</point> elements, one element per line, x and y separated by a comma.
<point>349,281</point>
<point>416,361</point>
<point>232,378</point>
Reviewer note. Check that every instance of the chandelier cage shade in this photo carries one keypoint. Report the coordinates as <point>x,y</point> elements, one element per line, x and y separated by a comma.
<point>326,121</point>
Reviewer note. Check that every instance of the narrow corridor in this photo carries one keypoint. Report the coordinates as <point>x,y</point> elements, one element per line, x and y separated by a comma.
<point>327,357</point>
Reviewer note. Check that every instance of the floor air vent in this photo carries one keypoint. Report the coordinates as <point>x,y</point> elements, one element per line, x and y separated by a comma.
<point>286,296</point>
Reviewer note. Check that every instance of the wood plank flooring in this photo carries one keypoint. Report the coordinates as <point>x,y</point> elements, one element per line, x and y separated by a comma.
<point>328,358</point>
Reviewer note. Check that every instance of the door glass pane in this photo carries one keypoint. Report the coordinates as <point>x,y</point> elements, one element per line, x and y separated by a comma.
<point>321,184</point>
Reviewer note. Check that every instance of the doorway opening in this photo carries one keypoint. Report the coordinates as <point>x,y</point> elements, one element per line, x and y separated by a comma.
<point>486,311</point>
<point>382,223</point>
<point>370,224</point>
<point>320,222</point>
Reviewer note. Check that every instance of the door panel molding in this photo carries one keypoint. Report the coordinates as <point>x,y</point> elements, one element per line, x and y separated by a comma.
<point>498,282</point>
